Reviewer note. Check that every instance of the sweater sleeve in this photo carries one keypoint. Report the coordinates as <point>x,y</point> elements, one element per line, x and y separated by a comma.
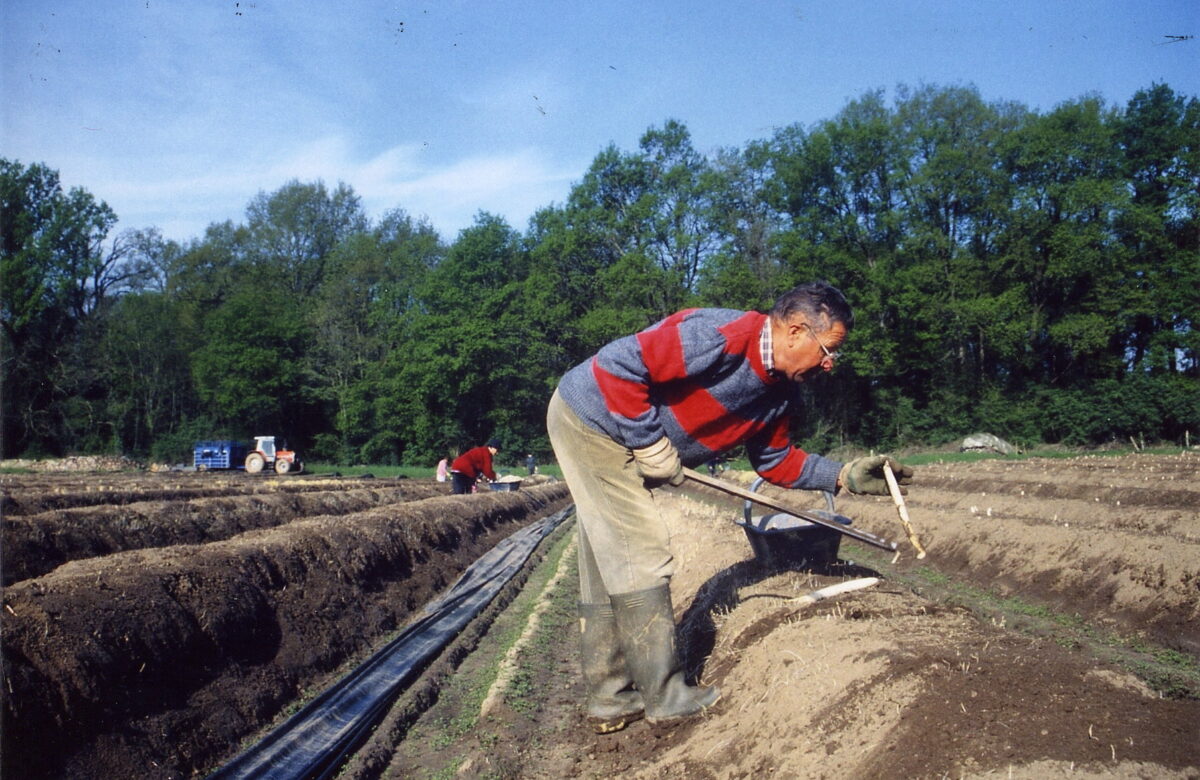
<point>782,463</point>
<point>486,464</point>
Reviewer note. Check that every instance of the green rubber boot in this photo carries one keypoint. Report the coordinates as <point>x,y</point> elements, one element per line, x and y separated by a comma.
<point>612,702</point>
<point>646,628</point>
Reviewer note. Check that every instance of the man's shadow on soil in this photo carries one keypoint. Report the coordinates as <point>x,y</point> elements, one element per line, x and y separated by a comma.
<point>696,633</point>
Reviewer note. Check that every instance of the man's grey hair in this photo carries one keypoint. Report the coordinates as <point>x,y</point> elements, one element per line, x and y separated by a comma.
<point>821,303</point>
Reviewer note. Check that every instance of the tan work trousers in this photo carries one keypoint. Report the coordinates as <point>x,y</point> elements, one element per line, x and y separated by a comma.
<point>624,545</point>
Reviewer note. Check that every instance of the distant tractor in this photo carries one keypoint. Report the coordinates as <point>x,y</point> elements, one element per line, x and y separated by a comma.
<point>265,455</point>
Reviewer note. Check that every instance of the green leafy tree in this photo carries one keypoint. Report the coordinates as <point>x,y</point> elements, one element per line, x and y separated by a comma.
<point>838,187</point>
<point>149,390</point>
<point>206,272</point>
<point>953,192</point>
<point>645,224</point>
<point>292,231</point>
<point>438,387</point>
<point>371,284</point>
<point>248,370</point>
<point>56,271</point>
<point>1060,248</point>
<point>1159,137</point>
<point>745,271</point>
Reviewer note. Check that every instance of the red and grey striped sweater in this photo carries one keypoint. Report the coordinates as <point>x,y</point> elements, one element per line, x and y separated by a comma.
<point>698,378</point>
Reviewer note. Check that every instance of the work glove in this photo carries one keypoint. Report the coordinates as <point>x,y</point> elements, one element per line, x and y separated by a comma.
<point>659,463</point>
<point>865,475</point>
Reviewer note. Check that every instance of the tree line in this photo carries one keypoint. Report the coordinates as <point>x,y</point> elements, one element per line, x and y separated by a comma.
<point>1033,274</point>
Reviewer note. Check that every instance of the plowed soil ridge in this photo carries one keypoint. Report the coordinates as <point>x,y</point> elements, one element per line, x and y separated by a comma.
<point>35,544</point>
<point>1063,534</point>
<point>65,491</point>
<point>156,663</point>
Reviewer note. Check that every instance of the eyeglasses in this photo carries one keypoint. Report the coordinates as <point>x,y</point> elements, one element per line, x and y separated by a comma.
<point>830,357</point>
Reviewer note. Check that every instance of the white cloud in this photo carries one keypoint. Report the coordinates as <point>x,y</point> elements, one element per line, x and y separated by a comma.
<point>512,184</point>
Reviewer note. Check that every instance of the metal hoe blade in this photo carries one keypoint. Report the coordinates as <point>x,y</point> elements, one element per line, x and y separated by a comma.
<point>734,490</point>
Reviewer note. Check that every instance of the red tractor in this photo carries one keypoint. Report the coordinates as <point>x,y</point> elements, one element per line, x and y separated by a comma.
<point>265,455</point>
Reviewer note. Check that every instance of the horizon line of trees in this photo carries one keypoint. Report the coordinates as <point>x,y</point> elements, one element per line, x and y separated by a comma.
<point>1036,275</point>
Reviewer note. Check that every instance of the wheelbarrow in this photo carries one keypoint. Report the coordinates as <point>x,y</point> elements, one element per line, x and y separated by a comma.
<point>784,541</point>
<point>788,537</point>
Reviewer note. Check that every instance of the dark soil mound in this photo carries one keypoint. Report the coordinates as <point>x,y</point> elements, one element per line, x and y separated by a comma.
<point>116,664</point>
<point>35,544</point>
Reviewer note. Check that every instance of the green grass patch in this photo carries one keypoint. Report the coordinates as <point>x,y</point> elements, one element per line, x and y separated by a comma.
<point>384,472</point>
<point>467,689</point>
<point>519,614</point>
<point>527,687</point>
<point>925,458</point>
<point>932,576</point>
<point>415,472</point>
<point>550,469</point>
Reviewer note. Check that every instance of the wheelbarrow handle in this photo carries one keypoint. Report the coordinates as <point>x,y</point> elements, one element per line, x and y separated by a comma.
<point>734,490</point>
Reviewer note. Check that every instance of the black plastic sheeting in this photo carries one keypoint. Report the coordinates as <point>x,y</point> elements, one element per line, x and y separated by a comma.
<point>313,742</point>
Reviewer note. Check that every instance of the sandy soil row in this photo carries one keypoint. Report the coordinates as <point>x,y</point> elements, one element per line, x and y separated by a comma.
<point>1125,558</point>
<point>884,683</point>
<point>879,683</point>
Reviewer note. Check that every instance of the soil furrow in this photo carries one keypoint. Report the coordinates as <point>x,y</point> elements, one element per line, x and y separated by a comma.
<point>155,662</point>
<point>174,655</point>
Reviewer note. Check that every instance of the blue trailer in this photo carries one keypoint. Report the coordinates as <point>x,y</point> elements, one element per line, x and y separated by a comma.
<point>219,455</point>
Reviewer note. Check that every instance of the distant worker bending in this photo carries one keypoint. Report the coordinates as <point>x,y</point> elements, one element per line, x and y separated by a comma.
<point>473,464</point>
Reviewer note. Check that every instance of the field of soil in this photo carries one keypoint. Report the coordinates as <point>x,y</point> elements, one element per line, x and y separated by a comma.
<point>1053,630</point>
<point>153,622</point>
<point>1010,651</point>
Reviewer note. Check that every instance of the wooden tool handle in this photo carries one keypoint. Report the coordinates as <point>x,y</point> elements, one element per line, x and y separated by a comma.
<point>812,517</point>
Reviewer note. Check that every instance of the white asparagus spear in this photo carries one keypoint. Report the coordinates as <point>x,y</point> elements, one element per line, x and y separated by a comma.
<point>898,500</point>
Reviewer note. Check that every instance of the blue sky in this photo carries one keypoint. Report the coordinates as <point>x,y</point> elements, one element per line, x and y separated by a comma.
<point>178,112</point>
